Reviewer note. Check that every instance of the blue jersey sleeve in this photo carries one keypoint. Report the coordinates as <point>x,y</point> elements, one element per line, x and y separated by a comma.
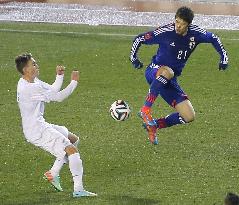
<point>147,38</point>
<point>157,36</point>
<point>209,37</point>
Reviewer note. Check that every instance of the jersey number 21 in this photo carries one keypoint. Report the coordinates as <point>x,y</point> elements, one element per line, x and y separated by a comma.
<point>182,54</point>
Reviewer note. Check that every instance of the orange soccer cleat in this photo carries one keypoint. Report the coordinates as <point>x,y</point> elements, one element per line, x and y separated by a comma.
<point>149,124</point>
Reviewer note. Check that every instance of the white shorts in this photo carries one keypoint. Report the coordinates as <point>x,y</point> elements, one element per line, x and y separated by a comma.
<point>54,140</point>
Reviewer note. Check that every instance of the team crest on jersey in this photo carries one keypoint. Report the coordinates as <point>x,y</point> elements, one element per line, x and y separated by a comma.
<point>192,43</point>
<point>148,36</point>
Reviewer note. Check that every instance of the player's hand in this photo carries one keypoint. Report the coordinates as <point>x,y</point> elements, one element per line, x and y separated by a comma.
<point>137,64</point>
<point>75,75</point>
<point>223,65</point>
<point>60,70</point>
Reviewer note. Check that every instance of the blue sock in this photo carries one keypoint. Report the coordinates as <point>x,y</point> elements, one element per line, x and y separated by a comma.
<point>155,87</point>
<point>174,119</point>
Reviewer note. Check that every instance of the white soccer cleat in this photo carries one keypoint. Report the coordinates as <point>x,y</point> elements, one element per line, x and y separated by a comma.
<point>83,194</point>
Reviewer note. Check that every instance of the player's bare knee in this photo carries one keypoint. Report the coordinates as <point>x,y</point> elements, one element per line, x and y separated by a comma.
<point>73,138</point>
<point>71,149</point>
<point>169,72</point>
<point>166,71</point>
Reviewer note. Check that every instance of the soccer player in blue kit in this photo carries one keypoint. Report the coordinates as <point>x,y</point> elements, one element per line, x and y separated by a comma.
<point>176,42</point>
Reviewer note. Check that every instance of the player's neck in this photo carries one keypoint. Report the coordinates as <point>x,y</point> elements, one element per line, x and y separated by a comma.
<point>28,78</point>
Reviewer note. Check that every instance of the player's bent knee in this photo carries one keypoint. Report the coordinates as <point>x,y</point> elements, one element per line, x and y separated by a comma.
<point>73,138</point>
<point>71,149</point>
<point>165,71</point>
<point>170,72</point>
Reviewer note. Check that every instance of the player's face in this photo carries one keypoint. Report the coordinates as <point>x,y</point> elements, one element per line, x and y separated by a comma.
<point>32,68</point>
<point>181,26</point>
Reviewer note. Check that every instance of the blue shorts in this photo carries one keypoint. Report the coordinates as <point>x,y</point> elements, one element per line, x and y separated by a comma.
<point>172,92</point>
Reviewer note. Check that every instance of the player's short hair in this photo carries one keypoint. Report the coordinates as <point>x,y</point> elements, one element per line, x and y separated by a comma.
<point>231,199</point>
<point>185,13</point>
<point>22,60</point>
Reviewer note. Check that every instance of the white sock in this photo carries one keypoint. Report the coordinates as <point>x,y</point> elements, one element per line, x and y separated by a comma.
<point>58,164</point>
<point>76,168</point>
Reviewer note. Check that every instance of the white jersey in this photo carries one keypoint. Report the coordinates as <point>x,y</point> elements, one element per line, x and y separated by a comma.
<point>31,98</point>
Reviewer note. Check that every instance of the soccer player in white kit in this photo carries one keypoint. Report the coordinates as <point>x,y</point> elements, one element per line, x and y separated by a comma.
<point>32,94</point>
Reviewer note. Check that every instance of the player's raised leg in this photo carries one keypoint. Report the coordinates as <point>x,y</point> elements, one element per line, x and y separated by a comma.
<point>158,79</point>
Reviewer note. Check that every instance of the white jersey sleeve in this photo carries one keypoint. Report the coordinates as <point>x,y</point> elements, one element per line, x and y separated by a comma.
<point>40,93</point>
<point>56,86</point>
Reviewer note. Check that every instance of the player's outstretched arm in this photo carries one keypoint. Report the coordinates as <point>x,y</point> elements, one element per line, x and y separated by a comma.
<point>216,42</point>
<point>137,64</point>
<point>47,95</point>
<point>66,92</point>
<point>145,38</point>
<point>148,38</point>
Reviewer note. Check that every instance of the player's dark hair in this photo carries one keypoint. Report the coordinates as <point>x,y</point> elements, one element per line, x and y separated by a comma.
<point>185,13</point>
<point>22,60</point>
<point>231,199</point>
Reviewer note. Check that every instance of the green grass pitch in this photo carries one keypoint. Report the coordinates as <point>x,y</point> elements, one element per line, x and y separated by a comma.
<point>196,163</point>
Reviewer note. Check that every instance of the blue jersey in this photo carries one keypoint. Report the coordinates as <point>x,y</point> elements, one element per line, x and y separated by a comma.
<point>174,49</point>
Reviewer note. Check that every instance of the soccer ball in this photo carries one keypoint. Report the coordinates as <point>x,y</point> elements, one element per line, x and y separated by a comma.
<point>120,110</point>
